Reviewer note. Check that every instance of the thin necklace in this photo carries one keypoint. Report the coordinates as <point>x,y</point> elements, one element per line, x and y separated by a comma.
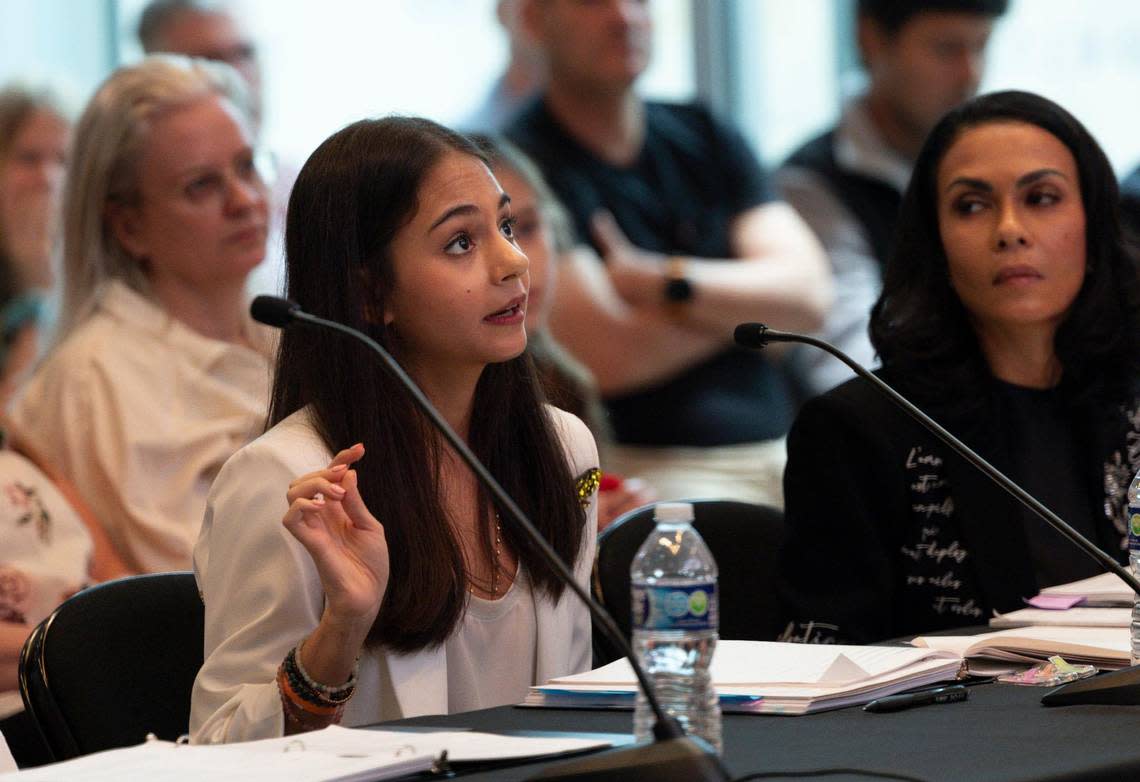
<point>495,565</point>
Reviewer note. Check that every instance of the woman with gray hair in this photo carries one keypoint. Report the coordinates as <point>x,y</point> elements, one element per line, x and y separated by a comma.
<point>157,374</point>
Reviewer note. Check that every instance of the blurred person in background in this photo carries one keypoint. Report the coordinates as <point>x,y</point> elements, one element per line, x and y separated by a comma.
<point>35,132</point>
<point>158,373</point>
<point>691,241</point>
<point>543,232</point>
<point>521,80</point>
<point>217,30</point>
<point>210,29</point>
<point>1130,208</point>
<point>51,546</point>
<point>922,58</point>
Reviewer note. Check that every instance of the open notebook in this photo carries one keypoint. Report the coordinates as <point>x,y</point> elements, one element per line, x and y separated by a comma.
<point>334,754</point>
<point>1104,647</point>
<point>771,678</point>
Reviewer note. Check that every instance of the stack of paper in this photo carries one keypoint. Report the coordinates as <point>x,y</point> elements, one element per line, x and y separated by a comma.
<point>771,678</point>
<point>1079,616</point>
<point>1104,647</point>
<point>1100,601</point>
<point>334,754</point>
<point>1107,589</point>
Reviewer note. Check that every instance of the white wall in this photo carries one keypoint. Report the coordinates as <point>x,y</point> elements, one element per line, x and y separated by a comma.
<point>787,71</point>
<point>332,62</point>
<point>67,42</point>
<point>329,62</point>
<point>1085,56</point>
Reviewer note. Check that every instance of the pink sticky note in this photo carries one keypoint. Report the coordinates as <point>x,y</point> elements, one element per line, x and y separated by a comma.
<point>1055,602</point>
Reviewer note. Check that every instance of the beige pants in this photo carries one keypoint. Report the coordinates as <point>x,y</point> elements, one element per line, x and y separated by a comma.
<point>753,472</point>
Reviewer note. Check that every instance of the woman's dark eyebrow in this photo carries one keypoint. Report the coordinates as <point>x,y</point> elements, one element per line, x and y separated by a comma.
<point>464,209</point>
<point>1022,181</point>
<point>1041,173</point>
<point>970,182</point>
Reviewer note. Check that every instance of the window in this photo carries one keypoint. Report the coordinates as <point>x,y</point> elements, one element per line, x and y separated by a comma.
<point>332,62</point>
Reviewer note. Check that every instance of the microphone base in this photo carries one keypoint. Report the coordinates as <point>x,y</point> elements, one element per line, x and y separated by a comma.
<point>1119,688</point>
<point>674,760</point>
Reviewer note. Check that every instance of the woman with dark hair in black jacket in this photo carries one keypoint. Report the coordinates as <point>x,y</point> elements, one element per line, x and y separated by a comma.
<point>1009,313</point>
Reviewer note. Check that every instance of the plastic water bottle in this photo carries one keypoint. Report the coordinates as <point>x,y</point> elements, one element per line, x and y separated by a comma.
<point>675,620</point>
<point>1134,559</point>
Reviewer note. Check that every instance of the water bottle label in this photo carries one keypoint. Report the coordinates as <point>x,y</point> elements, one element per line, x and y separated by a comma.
<point>1134,527</point>
<point>691,607</point>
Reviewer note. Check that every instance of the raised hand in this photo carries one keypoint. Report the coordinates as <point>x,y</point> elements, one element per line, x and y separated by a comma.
<point>347,544</point>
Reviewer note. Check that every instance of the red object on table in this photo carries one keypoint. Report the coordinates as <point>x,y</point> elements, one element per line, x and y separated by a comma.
<point>610,481</point>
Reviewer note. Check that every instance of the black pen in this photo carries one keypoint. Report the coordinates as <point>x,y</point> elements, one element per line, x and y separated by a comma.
<point>950,694</point>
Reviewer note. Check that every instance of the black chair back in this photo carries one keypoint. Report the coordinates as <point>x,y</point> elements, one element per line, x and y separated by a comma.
<point>744,538</point>
<point>114,663</point>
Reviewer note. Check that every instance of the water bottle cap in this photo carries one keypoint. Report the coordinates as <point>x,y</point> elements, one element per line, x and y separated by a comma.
<point>672,512</point>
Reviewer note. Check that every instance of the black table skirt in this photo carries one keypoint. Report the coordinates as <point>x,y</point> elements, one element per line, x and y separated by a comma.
<point>1001,733</point>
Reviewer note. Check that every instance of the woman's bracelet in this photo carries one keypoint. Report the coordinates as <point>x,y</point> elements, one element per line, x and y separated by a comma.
<point>301,716</point>
<point>308,704</point>
<point>339,694</point>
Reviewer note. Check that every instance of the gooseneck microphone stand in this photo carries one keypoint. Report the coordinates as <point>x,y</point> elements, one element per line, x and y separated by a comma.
<point>1122,686</point>
<point>672,756</point>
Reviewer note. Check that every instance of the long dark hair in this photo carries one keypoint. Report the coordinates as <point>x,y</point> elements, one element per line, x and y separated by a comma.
<point>566,382</point>
<point>920,327</point>
<point>355,192</point>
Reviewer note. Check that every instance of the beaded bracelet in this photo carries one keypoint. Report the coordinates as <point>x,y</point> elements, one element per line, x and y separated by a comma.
<point>323,692</point>
<point>295,699</point>
<point>304,699</point>
<point>301,716</point>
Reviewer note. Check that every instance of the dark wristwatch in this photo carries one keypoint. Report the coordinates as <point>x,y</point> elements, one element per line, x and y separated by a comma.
<point>678,288</point>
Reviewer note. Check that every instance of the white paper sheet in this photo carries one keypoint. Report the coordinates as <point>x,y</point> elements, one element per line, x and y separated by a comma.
<point>771,678</point>
<point>1103,646</point>
<point>751,663</point>
<point>334,754</point>
<point>1079,616</point>
<point>7,762</point>
<point>1105,589</point>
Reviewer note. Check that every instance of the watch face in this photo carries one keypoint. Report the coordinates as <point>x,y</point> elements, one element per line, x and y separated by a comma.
<point>678,289</point>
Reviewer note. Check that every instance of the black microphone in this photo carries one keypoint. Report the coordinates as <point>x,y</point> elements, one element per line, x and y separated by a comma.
<point>273,311</point>
<point>672,755</point>
<point>1121,686</point>
<point>757,335</point>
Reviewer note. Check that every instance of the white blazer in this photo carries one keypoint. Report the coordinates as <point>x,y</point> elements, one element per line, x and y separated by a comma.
<point>263,595</point>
